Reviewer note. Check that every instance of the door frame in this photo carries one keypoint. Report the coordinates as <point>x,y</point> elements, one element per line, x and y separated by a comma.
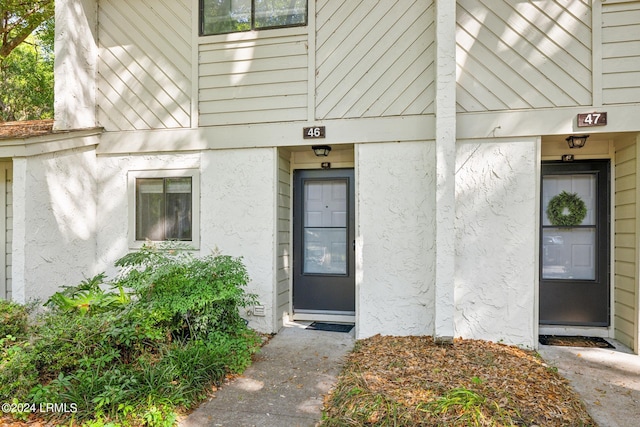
<point>605,331</point>
<point>322,315</point>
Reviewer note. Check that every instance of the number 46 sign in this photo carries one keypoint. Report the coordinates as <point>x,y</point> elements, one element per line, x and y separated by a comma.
<point>592,119</point>
<point>313,132</point>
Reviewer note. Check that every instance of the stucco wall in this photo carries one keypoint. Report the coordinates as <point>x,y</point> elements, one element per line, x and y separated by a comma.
<point>395,196</point>
<point>75,63</point>
<point>54,222</point>
<point>113,210</point>
<point>238,216</point>
<point>496,238</point>
<point>237,211</point>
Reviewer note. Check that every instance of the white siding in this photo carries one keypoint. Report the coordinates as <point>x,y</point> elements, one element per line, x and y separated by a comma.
<point>621,52</point>
<point>516,54</point>
<point>625,258</point>
<point>144,64</point>
<point>374,59</point>
<point>253,77</point>
<point>283,236</point>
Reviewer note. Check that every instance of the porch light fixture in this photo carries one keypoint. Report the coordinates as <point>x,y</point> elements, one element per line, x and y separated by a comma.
<point>577,141</point>
<point>321,150</point>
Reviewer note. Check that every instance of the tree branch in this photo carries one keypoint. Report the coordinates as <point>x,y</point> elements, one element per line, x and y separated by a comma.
<point>27,17</point>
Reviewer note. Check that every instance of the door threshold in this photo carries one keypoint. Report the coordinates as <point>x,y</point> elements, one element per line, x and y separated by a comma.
<point>584,331</point>
<point>325,317</point>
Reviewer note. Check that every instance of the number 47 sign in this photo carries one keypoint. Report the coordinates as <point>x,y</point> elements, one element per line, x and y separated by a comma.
<point>592,119</point>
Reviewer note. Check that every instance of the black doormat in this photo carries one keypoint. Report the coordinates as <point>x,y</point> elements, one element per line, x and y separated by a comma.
<point>574,341</point>
<point>331,327</point>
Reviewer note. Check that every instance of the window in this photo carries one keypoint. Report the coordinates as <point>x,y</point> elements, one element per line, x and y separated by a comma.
<point>230,16</point>
<point>163,206</point>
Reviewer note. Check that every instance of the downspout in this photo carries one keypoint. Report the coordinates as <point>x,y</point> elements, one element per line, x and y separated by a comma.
<point>445,132</point>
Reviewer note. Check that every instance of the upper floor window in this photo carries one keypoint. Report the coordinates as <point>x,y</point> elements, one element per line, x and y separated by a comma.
<point>230,16</point>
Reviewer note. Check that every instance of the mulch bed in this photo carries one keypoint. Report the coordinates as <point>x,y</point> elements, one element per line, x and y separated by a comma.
<point>413,381</point>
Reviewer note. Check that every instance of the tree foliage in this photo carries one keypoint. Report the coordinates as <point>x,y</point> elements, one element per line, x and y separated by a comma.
<point>26,59</point>
<point>20,18</point>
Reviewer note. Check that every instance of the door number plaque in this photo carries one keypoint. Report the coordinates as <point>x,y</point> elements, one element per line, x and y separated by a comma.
<point>313,132</point>
<point>592,119</point>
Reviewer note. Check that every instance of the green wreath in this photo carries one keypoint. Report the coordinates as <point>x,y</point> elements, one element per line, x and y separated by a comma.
<point>570,201</point>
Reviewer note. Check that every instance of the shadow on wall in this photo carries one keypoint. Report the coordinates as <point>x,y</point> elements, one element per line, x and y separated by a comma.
<point>496,231</point>
<point>75,64</point>
<point>539,60</point>
<point>145,65</point>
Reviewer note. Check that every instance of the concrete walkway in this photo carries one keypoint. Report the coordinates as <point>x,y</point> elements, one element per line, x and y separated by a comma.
<point>607,380</point>
<point>285,386</point>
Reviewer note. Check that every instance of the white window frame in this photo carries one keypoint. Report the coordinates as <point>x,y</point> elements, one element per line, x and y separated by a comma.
<point>164,173</point>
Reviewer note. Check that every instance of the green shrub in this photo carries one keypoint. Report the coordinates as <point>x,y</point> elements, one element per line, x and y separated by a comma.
<point>61,341</point>
<point>136,358</point>
<point>13,319</point>
<point>88,295</point>
<point>18,373</point>
<point>234,350</point>
<point>191,296</point>
<point>17,368</point>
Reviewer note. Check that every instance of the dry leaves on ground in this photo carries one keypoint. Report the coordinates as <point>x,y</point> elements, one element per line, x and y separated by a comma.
<point>413,381</point>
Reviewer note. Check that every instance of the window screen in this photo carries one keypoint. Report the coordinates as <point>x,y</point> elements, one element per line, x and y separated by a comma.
<point>163,208</point>
<point>229,16</point>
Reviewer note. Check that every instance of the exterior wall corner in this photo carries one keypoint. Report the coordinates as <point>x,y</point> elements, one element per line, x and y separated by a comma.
<point>75,67</point>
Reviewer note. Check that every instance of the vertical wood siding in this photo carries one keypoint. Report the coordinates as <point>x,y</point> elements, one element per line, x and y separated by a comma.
<point>144,66</point>
<point>625,242</point>
<point>514,54</point>
<point>257,80</point>
<point>283,238</point>
<point>621,52</point>
<point>374,58</point>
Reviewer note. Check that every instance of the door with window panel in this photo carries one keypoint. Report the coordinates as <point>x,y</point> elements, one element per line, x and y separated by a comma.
<point>574,259</point>
<point>324,264</point>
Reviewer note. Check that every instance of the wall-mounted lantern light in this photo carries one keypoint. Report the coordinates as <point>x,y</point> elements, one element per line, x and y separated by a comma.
<point>577,141</point>
<point>321,150</point>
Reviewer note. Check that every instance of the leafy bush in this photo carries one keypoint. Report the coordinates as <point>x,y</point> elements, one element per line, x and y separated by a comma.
<point>88,295</point>
<point>133,357</point>
<point>18,373</point>
<point>191,295</point>
<point>13,319</point>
